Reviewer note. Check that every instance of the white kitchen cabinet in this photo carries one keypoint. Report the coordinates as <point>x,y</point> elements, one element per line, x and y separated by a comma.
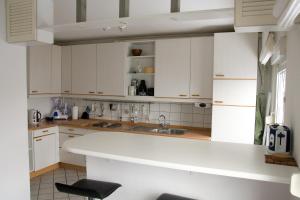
<point>233,124</point>
<point>84,69</point>
<point>56,70</point>
<point>102,9</point>
<point>66,69</point>
<point>235,55</point>
<point>235,92</point>
<point>202,57</point>
<point>67,157</point>
<point>140,8</point>
<point>64,12</point>
<point>39,69</point>
<point>111,72</point>
<point>172,65</point>
<point>45,148</point>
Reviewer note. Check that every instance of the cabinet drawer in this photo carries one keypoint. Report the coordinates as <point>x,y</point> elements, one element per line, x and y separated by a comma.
<point>234,92</point>
<point>66,136</point>
<point>77,131</point>
<point>71,158</point>
<point>46,131</point>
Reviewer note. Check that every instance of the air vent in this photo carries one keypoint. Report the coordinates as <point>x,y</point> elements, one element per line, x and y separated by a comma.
<point>254,13</point>
<point>21,20</point>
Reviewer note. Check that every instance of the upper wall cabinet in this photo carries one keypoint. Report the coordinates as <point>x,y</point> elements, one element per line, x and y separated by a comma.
<point>202,53</point>
<point>111,69</point>
<point>44,69</point>
<point>66,69</point>
<point>235,56</point>
<point>84,69</point>
<point>139,8</point>
<point>40,69</point>
<point>102,9</point>
<point>63,15</point>
<point>172,68</point>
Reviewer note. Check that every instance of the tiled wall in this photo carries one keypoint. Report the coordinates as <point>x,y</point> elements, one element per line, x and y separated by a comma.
<point>176,114</point>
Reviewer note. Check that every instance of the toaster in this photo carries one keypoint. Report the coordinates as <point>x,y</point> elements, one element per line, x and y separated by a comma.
<point>279,139</point>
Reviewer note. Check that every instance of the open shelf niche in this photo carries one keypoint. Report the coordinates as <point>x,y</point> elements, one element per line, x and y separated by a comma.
<point>136,64</point>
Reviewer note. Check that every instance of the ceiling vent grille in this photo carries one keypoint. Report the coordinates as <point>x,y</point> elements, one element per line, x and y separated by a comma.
<point>254,13</point>
<point>21,20</point>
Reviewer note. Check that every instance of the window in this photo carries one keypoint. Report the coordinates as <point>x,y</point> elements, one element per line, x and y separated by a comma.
<point>280,96</point>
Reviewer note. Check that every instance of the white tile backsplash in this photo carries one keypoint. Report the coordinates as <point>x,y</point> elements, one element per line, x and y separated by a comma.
<point>175,113</point>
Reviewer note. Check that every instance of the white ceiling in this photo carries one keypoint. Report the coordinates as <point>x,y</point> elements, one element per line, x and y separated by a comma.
<point>146,18</point>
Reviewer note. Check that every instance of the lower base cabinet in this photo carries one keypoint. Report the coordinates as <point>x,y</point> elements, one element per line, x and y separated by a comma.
<point>233,124</point>
<point>67,157</point>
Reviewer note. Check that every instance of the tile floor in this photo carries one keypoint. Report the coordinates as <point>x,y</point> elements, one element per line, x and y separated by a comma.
<point>43,188</point>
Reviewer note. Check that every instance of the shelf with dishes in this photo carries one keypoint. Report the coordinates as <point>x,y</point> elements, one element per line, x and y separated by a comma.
<point>141,70</point>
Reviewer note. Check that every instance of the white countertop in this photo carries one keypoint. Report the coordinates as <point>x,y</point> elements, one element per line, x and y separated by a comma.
<point>226,159</point>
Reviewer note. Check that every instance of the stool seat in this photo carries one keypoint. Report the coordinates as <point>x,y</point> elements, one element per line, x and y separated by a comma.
<point>172,197</point>
<point>89,188</point>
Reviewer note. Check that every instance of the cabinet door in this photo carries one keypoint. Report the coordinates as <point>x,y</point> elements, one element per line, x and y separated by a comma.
<point>45,151</point>
<point>40,69</point>
<point>67,157</point>
<point>66,69</point>
<point>235,92</point>
<point>84,67</point>
<point>202,57</point>
<point>56,70</point>
<point>236,55</point>
<point>233,124</point>
<point>172,76</point>
<point>111,69</point>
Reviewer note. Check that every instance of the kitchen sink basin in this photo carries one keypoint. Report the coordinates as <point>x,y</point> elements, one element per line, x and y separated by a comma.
<point>107,125</point>
<point>171,131</point>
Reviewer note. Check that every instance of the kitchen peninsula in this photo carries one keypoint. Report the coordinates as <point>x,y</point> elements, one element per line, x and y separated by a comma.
<point>180,164</point>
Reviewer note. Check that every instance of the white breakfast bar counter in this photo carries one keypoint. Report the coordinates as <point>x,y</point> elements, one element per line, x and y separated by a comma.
<point>148,165</point>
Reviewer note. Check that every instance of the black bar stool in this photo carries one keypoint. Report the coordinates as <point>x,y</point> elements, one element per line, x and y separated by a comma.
<point>89,188</point>
<point>172,197</point>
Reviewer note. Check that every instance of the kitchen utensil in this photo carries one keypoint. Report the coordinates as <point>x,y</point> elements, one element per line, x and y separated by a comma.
<point>85,115</point>
<point>279,139</point>
<point>57,114</point>
<point>150,92</point>
<point>149,70</point>
<point>75,112</point>
<point>34,117</point>
<point>136,52</point>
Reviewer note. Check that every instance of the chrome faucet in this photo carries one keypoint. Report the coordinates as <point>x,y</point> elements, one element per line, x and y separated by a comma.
<point>162,121</point>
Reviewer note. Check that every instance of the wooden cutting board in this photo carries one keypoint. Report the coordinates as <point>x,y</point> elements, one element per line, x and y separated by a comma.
<point>281,159</point>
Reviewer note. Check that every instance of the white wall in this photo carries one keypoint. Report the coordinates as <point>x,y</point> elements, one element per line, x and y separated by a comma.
<point>292,112</point>
<point>14,169</point>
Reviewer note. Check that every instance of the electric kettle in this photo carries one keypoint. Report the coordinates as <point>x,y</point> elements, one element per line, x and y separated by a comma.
<point>34,117</point>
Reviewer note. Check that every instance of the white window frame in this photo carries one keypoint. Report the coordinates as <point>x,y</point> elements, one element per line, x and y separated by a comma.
<point>280,94</point>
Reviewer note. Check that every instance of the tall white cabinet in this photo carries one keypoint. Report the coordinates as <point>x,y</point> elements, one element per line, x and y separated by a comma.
<point>234,87</point>
<point>84,69</point>
<point>111,69</point>
<point>66,69</point>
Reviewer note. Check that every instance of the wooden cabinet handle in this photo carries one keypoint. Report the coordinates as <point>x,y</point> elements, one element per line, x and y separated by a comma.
<point>66,91</point>
<point>182,95</point>
<point>71,136</point>
<point>218,101</point>
<point>34,91</point>
<point>219,75</point>
<point>91,92</point>
<point>37,140</point>
<point>100,92</point>
<point>71,129</point>
<point>195,95</point>
<point>45,131</point>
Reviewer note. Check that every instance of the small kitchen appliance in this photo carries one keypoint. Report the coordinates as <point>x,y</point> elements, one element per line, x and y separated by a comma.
<point>34,117</point>
<point>57,114</point>
<point>279,139</point>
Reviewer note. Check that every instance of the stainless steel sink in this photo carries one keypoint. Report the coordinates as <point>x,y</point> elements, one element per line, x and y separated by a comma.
<point>171,131</point>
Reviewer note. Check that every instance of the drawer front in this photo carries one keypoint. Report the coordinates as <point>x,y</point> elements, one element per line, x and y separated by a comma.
<point>46,131</point>
<point>77,131</point>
